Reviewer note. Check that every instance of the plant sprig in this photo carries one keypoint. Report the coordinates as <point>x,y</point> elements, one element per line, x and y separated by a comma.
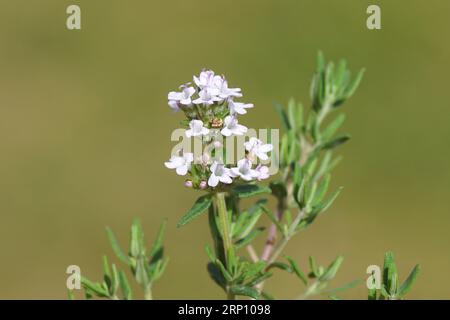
<point>146,267</point>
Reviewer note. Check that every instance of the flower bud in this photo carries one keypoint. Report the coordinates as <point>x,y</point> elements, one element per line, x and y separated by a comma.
<point>217,144</point>
<point>203,185</point>
<point>188,184</point>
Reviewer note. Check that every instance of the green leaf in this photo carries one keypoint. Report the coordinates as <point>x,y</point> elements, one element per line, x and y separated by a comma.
<point>283,116</point>
<point>211,255</point>
<point>141,272</point>
<point>267,295</point>
<point>273,219</point>
<point>106,271</point>
<point>247,220</point>
<point>259,279</point>
<point>341,72</point>
<point>125,286</point>
<point>406,286</point>
<point>322,207</point>
<point>136,239</point>
<point>390,277</point>
<point>224,271</point>
<point>292,114</point>
<point>156,251</point>
<point>347,286</point>
<point>333,127</point>
<point>280,265</point>
<point>351,88</point>
<point>116,247</point>
<point>335,142</point>
<point>216,275</point>
<point>320,61</point>
<point>94,287</point>
<point>249,238</point>
<point>253,269</point>
<point>115,280</point>
<point>321,190</point>
<point>313,266</point>
<point>297,270</point>
<point>245,291</point>
<point>200,206</point>
<point>333,268</point>
<point>249,190</point>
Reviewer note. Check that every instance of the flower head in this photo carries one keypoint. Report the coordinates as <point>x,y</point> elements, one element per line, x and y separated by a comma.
<point>196,129</point>
<point>258,148</point>
<point>207,96</point>
<point>219,174</point>
<point>183,97</point>
<point>206,79</point>
<point>225,92</point>
<point>244,170</point>
<point>238,107</point>
<point>231,126</point>
<point>182,164</point>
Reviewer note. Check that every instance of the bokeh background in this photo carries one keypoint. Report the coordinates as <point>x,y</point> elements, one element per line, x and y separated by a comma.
<point>85,129</point>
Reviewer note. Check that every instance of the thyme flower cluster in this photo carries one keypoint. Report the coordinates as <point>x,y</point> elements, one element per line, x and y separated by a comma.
<point>212,113</point>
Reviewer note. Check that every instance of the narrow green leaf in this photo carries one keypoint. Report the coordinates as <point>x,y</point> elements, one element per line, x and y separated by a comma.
<point>245,291</point>
<point>313,266</point>
<point>94,287</point>
<point>115,279</point>
<point>297,270</point>
<point>335,142</point>
<point>135,239</point>
<point>283,116</point>
<point>224,271</point>
<point>273,219</point>
<point>292,114</point>
<point>116,247</point>
<point>406,286</point>
<point>106,270</point>
<point>347,286</point>
<point>332,269</point>
<point>202,204</point>
<point>321,190</point>
<point>322,207</point>
<point>300,117</point>
<point>351,88</point>
<point>333,127</point>
<point>259,279</point>
<point>252,217</point>
<point>248,238</point>
<point>249,190</point>
<point>141,272</point>
<point>157,244</point>
<point>390,277</point>
<point>280,265</point>
<point>216,275</point>
<point>267,295</point>
<point>125,286</point>
<point>341,71</point>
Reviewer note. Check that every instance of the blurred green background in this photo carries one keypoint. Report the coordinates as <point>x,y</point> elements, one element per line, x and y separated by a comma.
<point>85,129</point>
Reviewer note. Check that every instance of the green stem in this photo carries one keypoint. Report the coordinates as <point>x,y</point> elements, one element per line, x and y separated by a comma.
<point>148,294</point>
<point>230,296</point>
<point>226,235</point>
<point>224,226</point>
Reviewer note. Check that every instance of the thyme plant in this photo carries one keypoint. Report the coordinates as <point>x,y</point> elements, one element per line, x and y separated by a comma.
<point>300,191</point>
